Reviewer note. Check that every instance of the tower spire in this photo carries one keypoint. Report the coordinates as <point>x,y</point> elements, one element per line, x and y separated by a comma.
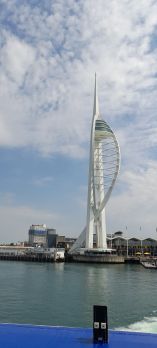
<point>96,103</point>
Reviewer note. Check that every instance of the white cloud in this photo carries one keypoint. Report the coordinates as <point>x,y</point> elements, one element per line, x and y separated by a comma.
<point>7,198</point>
<point>43,181</point>
<point>17,219</point>
<point>49,54</point>
<point>48,69</point>
<point>135,205</point>
<point>16,58</point>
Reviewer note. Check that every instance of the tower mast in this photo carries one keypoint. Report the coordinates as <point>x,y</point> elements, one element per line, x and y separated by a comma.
<point>104,162</point>
<point>95,183</point>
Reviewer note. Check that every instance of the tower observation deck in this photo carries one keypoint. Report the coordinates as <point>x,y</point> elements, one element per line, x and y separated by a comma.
<point>104,163</point>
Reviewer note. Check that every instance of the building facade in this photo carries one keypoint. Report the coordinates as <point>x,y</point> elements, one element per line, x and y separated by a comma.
<point>38,235</point>
<point>41,235</point>
<point>132,246</point>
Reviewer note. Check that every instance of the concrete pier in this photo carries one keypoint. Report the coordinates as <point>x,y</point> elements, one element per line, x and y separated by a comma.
<point>98,258</point>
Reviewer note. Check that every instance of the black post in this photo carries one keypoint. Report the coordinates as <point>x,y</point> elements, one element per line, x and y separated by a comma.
<point>100,324</point>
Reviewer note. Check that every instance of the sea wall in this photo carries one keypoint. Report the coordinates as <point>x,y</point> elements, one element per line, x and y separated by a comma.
<point>30,258</point>
<point>98,258</point>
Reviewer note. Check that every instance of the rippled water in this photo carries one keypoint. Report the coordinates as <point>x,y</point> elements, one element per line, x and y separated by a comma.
<point>63,294</point>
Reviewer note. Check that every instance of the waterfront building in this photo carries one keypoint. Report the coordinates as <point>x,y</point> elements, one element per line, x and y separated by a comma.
<point>51,238</point>
<point>132,246</point>
<point>104,164</point>
<point>117,242</point>
<point>41,235</point>
<point>58,241</point>
<point>38,235</point>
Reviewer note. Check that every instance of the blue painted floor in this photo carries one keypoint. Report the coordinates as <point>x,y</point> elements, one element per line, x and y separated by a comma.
<point>22,336</point>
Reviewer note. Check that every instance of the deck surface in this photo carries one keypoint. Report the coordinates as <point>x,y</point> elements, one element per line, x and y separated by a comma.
<point>22,336</point>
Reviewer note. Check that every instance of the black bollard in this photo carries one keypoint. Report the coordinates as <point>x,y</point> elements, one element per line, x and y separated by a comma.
<point>100,324</point>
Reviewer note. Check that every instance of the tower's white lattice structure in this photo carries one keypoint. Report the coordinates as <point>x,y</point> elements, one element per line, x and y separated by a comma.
<point>103,170</point>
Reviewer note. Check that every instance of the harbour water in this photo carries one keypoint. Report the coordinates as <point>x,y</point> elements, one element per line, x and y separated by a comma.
<point>64,293</point>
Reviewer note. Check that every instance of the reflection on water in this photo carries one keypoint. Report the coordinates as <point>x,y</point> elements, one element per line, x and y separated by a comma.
<point>63,294</point>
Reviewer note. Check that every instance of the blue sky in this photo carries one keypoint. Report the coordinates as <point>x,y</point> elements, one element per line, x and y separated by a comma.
<point>49,53</point>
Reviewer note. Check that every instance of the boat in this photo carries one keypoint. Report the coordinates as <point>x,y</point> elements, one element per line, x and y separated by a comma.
<point>24,336</point>
<point>147,264</point>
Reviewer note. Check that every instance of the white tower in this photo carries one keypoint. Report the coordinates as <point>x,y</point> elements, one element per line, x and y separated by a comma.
<point>103,170</point>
